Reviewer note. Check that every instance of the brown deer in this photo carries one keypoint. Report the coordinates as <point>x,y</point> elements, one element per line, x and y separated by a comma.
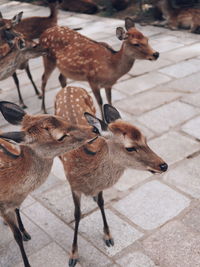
<point>24,167</point>
<point>103,162</point>
<point>17,58</point>
<point>186,18</point>
<point>80,58</point>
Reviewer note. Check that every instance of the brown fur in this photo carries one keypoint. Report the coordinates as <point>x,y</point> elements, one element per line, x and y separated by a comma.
<point>187,18</point>
<point>95,167</point>
<point>80,58</point>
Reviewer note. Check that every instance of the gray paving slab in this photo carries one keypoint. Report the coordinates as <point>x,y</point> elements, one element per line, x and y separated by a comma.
<point>192,127</point>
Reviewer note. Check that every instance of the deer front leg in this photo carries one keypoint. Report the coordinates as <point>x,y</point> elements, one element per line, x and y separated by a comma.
<point>107,235</point>
<point>96,92</point>
<point>31,79</point>
<point>10,219</point>
<point>49,66</point>
<point>77,214</point>
<point>25,234</point>
<point>18,90</point>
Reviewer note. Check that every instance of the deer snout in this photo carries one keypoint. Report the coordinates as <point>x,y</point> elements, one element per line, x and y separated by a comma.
<point>163,167</point>
<point>156,55</point>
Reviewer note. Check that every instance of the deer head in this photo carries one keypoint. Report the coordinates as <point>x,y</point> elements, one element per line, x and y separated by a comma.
<point>126,143</point>
<point>48,135</point>
<point>135,43</point>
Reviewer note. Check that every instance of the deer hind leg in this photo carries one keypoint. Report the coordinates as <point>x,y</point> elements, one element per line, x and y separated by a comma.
<point>25,234</point>
<point>10,219</point>
<point>16,80</point>
<point>77,214</point>
<point>31,79</point>
<point>108,95</point>
<point>49,66</point>
<point>62,80</point>
<point>107,235</point>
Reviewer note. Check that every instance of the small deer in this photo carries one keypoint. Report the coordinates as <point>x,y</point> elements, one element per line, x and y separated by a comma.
<point>103,162</point>
<point>17,58</point>
<point>80,58</point>
<point>186,18</point>
<point>24,167</point>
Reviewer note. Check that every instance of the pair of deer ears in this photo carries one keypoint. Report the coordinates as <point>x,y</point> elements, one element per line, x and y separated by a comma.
<point>120,32</point>
<point>16,19</point>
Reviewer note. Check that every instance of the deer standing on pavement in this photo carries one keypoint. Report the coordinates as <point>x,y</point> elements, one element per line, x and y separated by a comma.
<point>102,163</point>
<point>24,167</point>
<point>80,58</point>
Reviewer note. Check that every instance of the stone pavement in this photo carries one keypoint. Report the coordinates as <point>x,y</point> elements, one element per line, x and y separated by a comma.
<point>155,219</point>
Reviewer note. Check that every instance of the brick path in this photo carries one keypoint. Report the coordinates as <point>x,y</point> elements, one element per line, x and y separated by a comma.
<point>155,219</point>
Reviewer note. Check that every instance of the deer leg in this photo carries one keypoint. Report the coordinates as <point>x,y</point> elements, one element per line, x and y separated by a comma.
<point>18,90</point>
<point>49,66</point>
<point>107,235</point>
<point>62,80</point>
<point>96,92</point>
<point>77,214</point>
<point>10,218</point>
<point>31,79</point>
<point>25,234</point>
<point>108,95</point>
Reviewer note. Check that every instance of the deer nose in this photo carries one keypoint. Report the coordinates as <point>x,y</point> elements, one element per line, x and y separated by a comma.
<point>163,167</point>
<point>156,55</point>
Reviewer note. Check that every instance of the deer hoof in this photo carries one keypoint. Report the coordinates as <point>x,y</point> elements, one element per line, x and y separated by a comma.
<point>72,262</point>
<point>40,96</point>
<point>24,106</point>
<point>26,236</point>
<point>109,242</point>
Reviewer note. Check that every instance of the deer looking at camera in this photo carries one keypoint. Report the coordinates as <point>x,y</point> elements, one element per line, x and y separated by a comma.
<point>186,18</point>
<point>80,58</point>
<point>102,163</point>
<point>24,167</point>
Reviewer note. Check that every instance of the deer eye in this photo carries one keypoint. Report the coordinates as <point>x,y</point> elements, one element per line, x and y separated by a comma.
<point>95,130</point>
<point>130,149</point>
<point>62,138</point>
<point>136,45</point>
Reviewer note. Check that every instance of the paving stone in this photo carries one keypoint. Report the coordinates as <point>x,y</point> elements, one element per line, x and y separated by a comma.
<point>63,235</point>
<point>10,253</point>
<point>92,227</point>
<point>192,127</point>
<point>141,83</point>
<point>193,99</point>
<point>58,170</point>
<point>141,67</point>
<point>27,202</point>
<point>153,205</point>
<point>143,102</point>
<point>165,46</point>
<point>51,256</point>
<point>163,118</point>
<point>174,246</point>
<point>178,38</point>
<point>192,219</point>
<point>131,178</point>
<point>150,30</point>
<point>182,53</point>
<point>182,69</point>
<point>136,259</point>
<point>186,177</point>
<point>187,84</point>
<point>173,147</point>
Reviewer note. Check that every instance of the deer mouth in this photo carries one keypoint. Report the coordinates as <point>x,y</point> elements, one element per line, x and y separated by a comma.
<point>153,171</point>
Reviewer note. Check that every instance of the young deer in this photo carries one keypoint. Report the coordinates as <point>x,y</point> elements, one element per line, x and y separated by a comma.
<point>103,162</point>
<point>17,58</point>
<point>187,18</point>
<point>24,167</point>
<point>80,58</point>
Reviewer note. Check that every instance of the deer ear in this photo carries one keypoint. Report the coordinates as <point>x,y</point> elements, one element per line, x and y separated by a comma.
<point>110,113</point>
<point>18,137</point>
<point>129,23</point>
<point>12,112</point>
<point>98,124</point>
<point>120,33</point>
<point>17,18</point>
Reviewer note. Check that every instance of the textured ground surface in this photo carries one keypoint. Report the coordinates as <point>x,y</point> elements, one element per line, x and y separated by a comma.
<point>155,220</point>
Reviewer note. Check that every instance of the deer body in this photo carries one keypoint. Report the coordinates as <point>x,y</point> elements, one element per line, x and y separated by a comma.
<point>24,167</point>
<point>80,58</point>
<point>92,168</point>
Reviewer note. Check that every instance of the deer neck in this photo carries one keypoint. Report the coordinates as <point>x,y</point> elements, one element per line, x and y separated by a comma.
<point>53,11</point>
<point>122,61</point>
<point>166,8</point>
